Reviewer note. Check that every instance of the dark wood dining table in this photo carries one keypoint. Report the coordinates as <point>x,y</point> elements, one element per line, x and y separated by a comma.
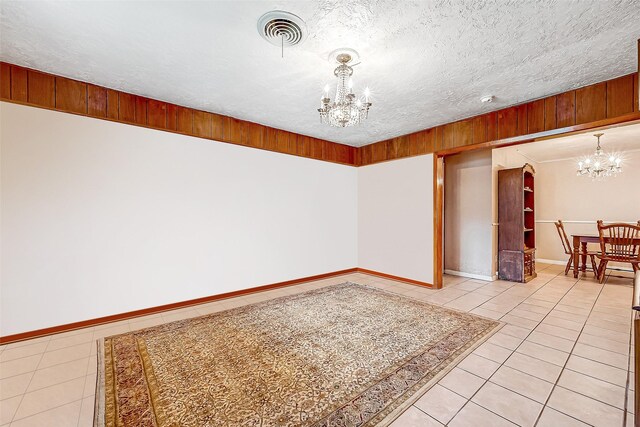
<point>580,241</point>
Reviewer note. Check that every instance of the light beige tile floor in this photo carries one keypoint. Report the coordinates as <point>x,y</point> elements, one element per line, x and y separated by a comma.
<point>562,359</point>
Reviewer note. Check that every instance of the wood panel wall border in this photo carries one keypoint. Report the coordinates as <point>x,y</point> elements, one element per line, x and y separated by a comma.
<point>31,87</point>
<point>602,104</point>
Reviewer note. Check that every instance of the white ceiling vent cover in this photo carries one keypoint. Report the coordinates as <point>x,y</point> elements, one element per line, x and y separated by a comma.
<point>282,28</point>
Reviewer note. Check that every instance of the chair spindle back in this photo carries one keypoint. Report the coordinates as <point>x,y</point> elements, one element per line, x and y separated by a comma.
<point>621,243</point>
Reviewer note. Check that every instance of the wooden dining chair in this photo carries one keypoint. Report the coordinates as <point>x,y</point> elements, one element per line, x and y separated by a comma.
<point>618,243</point>
<point>568,249</point>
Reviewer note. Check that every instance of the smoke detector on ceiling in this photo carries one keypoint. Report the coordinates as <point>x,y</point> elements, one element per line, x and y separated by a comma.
<point>282,28</point>
<point>487,99</point>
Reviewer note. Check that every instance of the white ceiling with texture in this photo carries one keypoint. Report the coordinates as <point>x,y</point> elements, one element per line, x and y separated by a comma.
<point>617,140</point>
<point>426,62</point>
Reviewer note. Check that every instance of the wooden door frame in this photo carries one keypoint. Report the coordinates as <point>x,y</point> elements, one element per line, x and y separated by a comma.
<point>438,220</point>
<point>439,169</point>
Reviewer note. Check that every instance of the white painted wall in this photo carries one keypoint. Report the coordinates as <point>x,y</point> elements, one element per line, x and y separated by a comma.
<point>99,218</point>
<point>468,214</point>
<point>560,194</point>
<point>563,195</point>
<point>395,218</point>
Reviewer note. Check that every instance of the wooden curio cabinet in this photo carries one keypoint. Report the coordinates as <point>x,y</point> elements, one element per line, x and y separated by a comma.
<point>516,224</point>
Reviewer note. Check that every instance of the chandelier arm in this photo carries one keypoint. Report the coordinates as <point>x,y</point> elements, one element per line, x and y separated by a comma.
<point>346,109</point>
<point>602,166</point>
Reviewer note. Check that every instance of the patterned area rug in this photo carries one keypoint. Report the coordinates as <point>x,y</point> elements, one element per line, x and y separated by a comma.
<point>343,355</point>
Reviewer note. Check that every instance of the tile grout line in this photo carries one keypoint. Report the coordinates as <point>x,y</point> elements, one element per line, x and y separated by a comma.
<point>84,386</point>
<point>605,338</point>
<point>514,351</point>
<point>24,394</point>
<point>515,369</point>
<point>589,397</point>
<point>46,367</point>
<point>570,353</point>
<point>470,292</point>
<point>603,349</point>
<point>562,351</point>
<point>501,364</point>
<point>544,405</point>
<point>513,391</point>
<point>414,406</point>
<point>489,300</point>
<point>61,382</point>
<point>465,404</point>
<point>475,403</point>
<point>46,410</point>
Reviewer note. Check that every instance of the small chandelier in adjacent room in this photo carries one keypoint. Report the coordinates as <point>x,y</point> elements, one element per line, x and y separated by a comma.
<point>346,109</point>
<point>600,165</point>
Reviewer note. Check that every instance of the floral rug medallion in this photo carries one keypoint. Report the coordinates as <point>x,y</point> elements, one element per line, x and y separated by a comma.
<point>343,355</point>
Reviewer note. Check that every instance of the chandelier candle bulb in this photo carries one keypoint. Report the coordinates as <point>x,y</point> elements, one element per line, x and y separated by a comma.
<point>346,109</point>
<point>603,165</point>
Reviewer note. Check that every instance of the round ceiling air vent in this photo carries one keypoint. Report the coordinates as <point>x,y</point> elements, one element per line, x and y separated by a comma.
<point>282,28</point>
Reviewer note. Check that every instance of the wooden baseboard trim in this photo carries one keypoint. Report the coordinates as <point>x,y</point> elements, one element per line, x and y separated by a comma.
<point>152,310</point>
<point>166,307</point>
<point>397,278</point>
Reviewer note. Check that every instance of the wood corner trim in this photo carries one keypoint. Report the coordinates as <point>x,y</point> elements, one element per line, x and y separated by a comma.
<point>396,278</point>
<point>438,220</point>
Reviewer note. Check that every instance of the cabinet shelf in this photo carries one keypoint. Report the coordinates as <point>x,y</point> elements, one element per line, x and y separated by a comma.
<point>516,230</point>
